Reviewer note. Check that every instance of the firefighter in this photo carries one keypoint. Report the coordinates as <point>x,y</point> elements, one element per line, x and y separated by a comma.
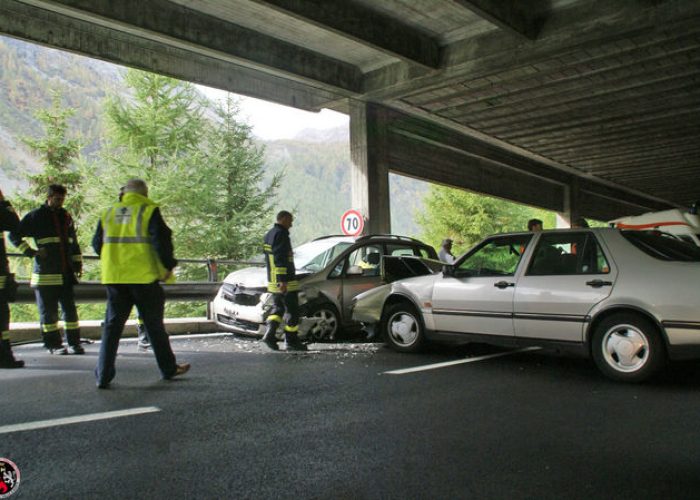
<point>8,222</point>
<point>282,283</point>
<point>58,263</point>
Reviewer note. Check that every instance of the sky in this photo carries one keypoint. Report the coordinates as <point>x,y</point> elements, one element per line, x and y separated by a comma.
<point>272,121</point>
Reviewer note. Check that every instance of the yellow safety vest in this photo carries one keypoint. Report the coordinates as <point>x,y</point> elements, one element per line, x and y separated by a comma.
<point>127,254</point>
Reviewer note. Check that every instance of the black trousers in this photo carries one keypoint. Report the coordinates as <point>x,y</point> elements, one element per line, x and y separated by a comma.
<point>4,318</point>
<point>285,303</point>
<point>48,298</point>
<point>150,301</point>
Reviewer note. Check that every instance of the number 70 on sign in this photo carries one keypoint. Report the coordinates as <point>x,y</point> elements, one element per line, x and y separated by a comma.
<point>352,223</point>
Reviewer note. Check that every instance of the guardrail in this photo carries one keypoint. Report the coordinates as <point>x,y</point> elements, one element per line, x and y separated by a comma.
<point>93,291</point>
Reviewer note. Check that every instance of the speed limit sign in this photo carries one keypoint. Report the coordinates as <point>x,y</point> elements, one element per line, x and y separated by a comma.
<point>352,223</point>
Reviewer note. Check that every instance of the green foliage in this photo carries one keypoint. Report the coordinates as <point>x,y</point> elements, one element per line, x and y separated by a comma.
<point>467,217</point>
<point>57,153</point>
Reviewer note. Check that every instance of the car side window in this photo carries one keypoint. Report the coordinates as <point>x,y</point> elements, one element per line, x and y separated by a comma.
<point>364,261</point>
<point>498,256</point>
<point>567,254</point>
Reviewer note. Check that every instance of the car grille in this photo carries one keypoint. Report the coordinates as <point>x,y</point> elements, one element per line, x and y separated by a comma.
<point>243,299</point>
<point>244,325</point>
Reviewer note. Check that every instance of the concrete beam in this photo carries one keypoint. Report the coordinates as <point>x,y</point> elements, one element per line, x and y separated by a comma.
<point>74,35</point>
<point>176,26</point>
<point>365,26</point>
<point>521,17</point>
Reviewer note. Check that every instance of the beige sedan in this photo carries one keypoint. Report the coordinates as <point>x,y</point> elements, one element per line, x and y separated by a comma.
<point>628,299</point>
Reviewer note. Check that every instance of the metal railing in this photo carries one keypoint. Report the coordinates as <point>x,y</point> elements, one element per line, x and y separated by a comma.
<point>94,291</point>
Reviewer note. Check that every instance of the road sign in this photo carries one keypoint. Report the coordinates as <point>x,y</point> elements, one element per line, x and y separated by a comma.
<point>352,223</point>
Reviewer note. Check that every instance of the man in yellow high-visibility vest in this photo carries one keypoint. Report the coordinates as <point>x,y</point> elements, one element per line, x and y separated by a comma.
<point>136,252</point>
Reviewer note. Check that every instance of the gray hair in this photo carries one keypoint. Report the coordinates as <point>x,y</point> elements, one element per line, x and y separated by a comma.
<point>137,186</point>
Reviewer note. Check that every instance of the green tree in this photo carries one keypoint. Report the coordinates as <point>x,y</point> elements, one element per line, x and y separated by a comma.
<point>58,154</point>
<point>233,204</point>
<point>467,217</point>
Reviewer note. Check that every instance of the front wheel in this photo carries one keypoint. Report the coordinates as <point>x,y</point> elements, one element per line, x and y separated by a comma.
<point>627,347</point>
<point>326,323</point>
<point>403,328</point>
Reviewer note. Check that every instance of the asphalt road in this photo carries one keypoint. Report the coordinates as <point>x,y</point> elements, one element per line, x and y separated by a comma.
<point>245,423</point>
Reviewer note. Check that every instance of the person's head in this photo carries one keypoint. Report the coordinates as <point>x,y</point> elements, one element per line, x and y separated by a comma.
<point>137,186</point>
<point>55,195</point>
<point>285,219</point>
<point>534,225</point>
<point>447,244</point>
<point>579,222</point>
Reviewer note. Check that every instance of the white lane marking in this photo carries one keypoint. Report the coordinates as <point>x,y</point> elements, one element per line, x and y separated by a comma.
<point>457,362</point>
<point>42,424</point>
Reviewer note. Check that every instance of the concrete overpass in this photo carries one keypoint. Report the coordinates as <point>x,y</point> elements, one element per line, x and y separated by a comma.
<point>584,107</point>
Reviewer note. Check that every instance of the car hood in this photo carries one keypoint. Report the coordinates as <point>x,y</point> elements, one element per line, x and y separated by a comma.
<point>252,277</point>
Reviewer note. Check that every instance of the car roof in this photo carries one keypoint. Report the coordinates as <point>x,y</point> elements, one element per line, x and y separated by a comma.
<point>383,238</point>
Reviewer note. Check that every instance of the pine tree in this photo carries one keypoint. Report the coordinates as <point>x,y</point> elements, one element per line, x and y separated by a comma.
<point>232,197</point>
<point>58,155</point>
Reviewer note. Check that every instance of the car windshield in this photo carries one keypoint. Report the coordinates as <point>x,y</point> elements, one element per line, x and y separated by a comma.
<point>663,247</point>
<point>314,255</point>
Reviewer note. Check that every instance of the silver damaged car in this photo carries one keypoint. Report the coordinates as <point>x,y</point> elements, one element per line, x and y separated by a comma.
<point>628,299</point>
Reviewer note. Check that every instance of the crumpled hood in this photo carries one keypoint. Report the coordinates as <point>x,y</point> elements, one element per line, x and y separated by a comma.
<point>252,277</point>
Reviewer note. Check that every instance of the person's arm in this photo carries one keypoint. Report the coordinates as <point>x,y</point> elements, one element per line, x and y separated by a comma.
<point>97,238</point>
<point>8,217</point>
<point>162,240</point>
<point>280,254</point>
<point>17,236</point>
<point>76,254</point>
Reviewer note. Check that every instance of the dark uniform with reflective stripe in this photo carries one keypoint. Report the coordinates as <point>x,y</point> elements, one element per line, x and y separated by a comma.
<point>54,274</point>
<point>279,258</point>
<point>8,222</point>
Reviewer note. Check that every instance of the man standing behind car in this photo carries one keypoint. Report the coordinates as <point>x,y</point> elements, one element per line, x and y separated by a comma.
<point>136,252</point>
<point>57,264</point>
<point>282,283</point>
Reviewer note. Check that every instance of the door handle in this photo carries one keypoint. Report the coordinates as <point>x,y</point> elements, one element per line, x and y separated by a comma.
<point>503,284</point>
<point>598,283</point>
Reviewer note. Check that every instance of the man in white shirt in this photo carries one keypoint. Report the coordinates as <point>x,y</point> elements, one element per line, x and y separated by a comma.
<point>445,253</point>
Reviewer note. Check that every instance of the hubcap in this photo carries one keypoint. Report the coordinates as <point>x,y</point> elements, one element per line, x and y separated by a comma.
<point>625,348</point>
<point>325,326</point>
<point>403,328</point>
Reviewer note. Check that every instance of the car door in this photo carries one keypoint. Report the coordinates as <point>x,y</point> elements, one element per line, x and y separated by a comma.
<point>478,295</point>
<point>567,275</point>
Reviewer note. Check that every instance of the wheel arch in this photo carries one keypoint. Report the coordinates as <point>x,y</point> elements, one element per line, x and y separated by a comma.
<point>396,298</point>
<point>603,314</point>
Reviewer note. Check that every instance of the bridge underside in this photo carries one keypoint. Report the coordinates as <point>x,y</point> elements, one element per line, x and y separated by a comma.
<point>585,107</point>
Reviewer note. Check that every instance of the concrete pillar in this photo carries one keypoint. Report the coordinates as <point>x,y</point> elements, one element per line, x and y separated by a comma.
<point>370,172</point>
<point>571,212</point>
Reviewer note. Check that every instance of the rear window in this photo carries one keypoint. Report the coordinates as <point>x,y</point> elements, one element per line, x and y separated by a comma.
<point>663,247</point>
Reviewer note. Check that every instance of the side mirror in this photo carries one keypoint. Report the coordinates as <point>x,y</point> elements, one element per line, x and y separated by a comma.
<point>354,271</point>
<point>448,270</point>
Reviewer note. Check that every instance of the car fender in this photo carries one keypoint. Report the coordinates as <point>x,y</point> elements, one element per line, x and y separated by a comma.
<point>607,307</point>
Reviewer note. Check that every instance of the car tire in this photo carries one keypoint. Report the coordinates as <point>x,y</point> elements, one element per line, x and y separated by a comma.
<point>328,324</point>
<point>403,328</point>
<point>628,347</point>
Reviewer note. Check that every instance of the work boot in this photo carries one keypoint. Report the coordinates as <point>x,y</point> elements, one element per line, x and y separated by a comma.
<point>53,342</point>
<point>73,338</point>
<point>291,340</point>
<point>7,359</point>
<point>269,338</point>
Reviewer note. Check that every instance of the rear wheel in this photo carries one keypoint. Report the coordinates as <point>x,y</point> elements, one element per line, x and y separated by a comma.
<point>403,328</point>
<point>628,347</point>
